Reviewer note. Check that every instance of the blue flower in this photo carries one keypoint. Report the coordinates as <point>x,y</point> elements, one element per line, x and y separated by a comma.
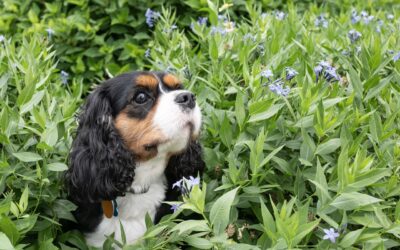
<point>267,73</point>
<point>279,15</point>
<point>331,235</point>
<point>328,71</point>
<point>177,184</point>
<point>390,16</point>
<point>147,53</point>
<point>318,70</point>
<point>219,30</point>
<point>290,73</point>
<point>354,35</point>
<point>151,17</point>
<point>330,74</point>
<point>193,181</point>
<point>354,17</point>
<point>379,26</point>
<point>264,15</point>
<point>64,77</point>
<point>277,88</point>
<point>261,49</point>
<point>249,36</point>
<point>396,57</point>
<point>222,18</point>
<point>175,207</point>
<point>50,32</point>
<point>202,21</point>
<point>2,38</point>
<point>321,21</point>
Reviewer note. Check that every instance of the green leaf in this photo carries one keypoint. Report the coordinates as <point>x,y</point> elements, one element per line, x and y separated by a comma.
<point>27,156</point>
<point>219,213</point>
<point>23,201</point>
<point>8,227</point>
<point>191,225</point>
<point>350,238</point>
<point>355,81</point>
<point>199,243</point>
<point>328,147</point>
<point>239,109</point>
<point>5,243</point>
<point>57,166</point>
<point>266,114</point>
<point>36,98</point>
<point>353,200</point>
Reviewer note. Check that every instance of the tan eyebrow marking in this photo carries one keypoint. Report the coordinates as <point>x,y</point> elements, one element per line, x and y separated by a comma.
<point>171,81</point>
<point>146,81</point>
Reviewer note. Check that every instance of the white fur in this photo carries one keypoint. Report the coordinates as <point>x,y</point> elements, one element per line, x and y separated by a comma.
<point>173,122</point>
<point>133,207</point>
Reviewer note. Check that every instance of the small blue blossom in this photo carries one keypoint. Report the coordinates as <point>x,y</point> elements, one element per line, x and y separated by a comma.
<point>355,18</point>
<point>331,235</point>
<point>249,36</point>
<point>318,70</point>
<point>193,181</point>
<point>177,184</point>
<point>390,51</point>
<point>379,26</point>
<point>175,207</point>
<point>50,32</point>
<point>267,73</point>
<point>321,21</point>
<point>264,15</point>
<point>64,77</point>
<point>368,19</point>
<point>2,38</point>
<point>215,30</point>
<point>279,15</point>
<point>151,17</point>
<point>290,73</point>
<point>354,35</point>
<point>329,72</point>
<point>396,57</point>
<point>390,16</point>
<point>147,53</point>
<point>261,49</point>
<point>202,21</point>
<point>222,18</point>
<point>277,88</point>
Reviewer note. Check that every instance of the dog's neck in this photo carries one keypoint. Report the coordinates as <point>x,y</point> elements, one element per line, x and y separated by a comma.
<point>149,172</point>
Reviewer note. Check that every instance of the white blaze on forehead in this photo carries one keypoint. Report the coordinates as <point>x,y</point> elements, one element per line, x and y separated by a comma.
<point>176,124</point>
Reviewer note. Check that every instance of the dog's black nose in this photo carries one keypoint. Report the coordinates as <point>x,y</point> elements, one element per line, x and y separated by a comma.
<point>186,100</point>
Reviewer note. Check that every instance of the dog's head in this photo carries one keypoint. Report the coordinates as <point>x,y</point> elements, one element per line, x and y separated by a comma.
<point>128,119</point>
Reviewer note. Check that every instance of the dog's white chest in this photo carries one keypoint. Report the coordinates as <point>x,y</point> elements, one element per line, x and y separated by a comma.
<point>132,208</point>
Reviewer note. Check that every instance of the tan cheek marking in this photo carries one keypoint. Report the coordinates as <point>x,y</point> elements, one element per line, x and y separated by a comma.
<point>147,81</point>
<point>171,81</point>
<point>139,133</point>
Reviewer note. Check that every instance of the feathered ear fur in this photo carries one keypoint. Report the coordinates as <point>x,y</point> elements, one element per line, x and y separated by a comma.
<point>100,166</point>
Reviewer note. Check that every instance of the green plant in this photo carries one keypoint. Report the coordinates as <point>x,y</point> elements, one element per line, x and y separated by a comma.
<point>309,160</point>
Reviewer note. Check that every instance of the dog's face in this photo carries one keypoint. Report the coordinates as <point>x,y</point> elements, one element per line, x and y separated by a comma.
<point>153,114</point>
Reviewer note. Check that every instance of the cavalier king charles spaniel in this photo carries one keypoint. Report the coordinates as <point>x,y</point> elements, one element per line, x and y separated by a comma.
<point>137,135</point>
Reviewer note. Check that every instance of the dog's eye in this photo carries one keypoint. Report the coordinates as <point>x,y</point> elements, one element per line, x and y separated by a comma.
<point>141,98</point>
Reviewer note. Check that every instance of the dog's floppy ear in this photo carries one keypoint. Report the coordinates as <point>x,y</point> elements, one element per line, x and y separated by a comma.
<point>100,168</point>
<point>188,163</point>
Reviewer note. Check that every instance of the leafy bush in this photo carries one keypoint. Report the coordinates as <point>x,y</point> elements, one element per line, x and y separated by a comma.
<point>300,130</point>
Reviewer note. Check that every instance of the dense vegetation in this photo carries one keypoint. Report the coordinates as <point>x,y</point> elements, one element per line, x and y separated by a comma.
<point>300,108</point>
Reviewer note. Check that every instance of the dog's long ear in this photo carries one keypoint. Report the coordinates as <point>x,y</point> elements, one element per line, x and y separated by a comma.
<point>188,163</point>
<point>100,168</point>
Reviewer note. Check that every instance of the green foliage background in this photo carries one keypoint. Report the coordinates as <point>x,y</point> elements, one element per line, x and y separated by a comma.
<point>279,169</point>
